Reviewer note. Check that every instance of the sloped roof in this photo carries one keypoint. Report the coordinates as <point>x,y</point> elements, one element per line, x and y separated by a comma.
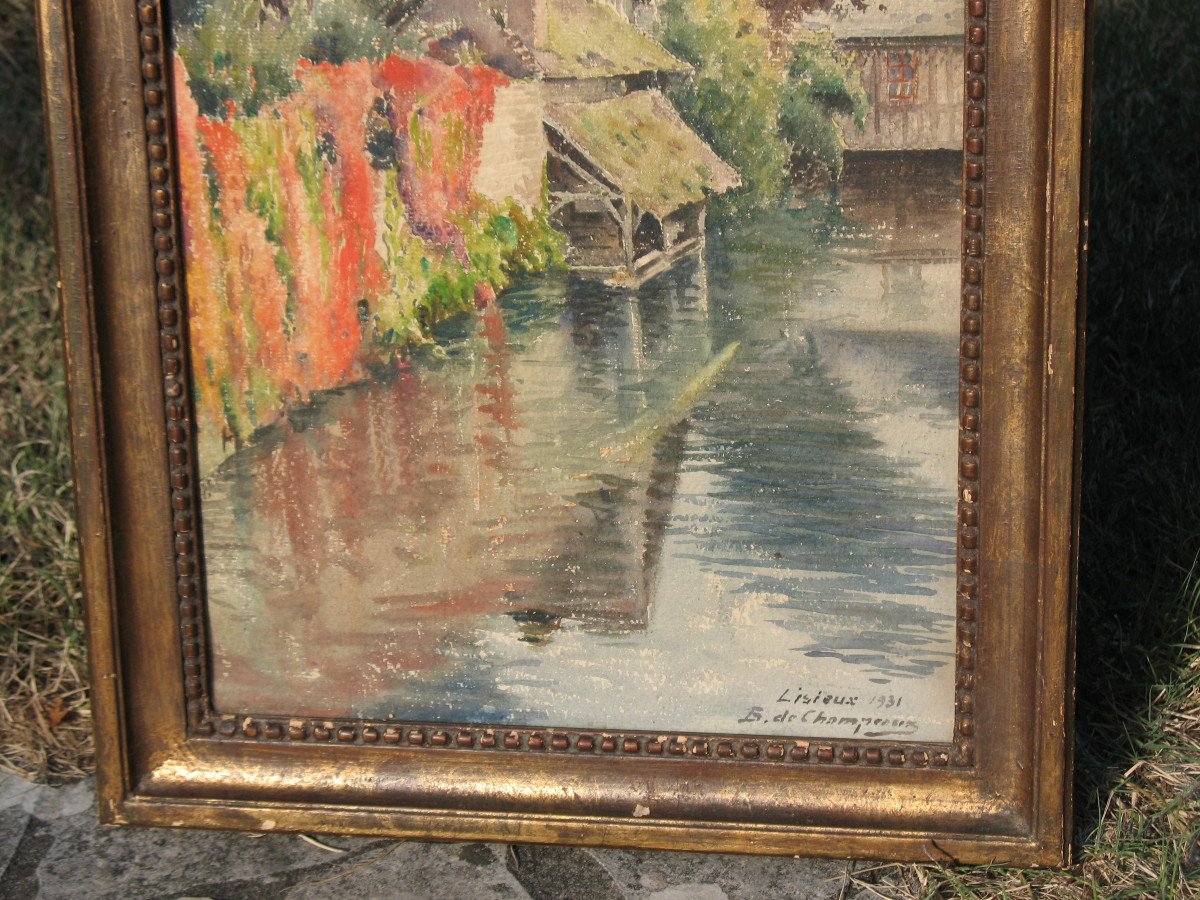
<point>590,39</point>
<point>468,23</point>
<point>639,143</point>
<point>895,19</point>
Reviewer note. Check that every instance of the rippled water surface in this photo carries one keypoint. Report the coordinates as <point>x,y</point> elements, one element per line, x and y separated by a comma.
<point>724,502</point>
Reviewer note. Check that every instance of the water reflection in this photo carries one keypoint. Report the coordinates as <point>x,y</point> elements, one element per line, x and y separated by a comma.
<point>597,508</point>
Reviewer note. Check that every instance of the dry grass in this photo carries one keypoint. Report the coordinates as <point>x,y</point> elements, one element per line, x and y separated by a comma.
<point>44,716</point>
<point>1137,836</point>
<point>1138,757</point>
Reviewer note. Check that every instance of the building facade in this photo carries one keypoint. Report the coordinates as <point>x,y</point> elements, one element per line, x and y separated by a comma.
<point>910,56</point>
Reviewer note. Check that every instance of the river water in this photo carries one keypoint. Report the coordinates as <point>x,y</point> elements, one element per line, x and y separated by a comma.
<point>722,503</point>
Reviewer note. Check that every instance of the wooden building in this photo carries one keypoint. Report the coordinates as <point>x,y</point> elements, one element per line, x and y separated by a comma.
<point>628,180</point>
<point>910,55</point>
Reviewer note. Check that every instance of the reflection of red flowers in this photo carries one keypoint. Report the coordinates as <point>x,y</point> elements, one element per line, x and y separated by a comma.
<point>485,294</point>
<point>381,445</point>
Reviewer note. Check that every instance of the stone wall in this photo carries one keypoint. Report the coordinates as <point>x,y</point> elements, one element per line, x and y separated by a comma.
<point>514,146</point>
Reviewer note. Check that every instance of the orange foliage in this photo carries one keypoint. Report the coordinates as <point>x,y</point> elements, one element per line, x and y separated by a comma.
<point>304,243</point>
<point>275,293</point>
<point>341,96</point>
<point>254,289</point>
<point>438,113</point>
<point>212,345</point>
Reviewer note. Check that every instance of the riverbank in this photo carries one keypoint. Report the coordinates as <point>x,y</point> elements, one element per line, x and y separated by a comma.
<point>329,224</point>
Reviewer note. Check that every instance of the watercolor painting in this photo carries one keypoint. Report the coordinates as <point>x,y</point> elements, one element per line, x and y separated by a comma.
<point>585,363</point>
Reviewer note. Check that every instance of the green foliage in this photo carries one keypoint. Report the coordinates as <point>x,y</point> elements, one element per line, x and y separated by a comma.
<point>733,100</point>
<point>488,239</point>
<point>239,55</point>
<point>429,284</point>
<point>536,246</point>
<point>395,316</point>
<point>820,87</point>
<point>451,291</point>
<point>507,242</point>
<point>244,53</point>
<point>761,117</point>
<point>261,137</point>
<point>341,30</point>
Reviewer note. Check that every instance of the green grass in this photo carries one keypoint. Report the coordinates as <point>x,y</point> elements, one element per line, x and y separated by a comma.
<point>1138,756</point>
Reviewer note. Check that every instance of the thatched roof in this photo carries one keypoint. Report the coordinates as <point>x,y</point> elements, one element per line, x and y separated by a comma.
<point>897,19</point>
<point>640,145</point>
<point>590,39</point>
<point>468,24</point>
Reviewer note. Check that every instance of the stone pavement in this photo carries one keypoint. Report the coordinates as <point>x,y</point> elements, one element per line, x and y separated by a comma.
<point>52,846</point>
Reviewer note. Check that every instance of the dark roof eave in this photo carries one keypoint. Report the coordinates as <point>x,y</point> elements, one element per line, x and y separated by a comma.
<point>900,39</point>
<point>684,72</point>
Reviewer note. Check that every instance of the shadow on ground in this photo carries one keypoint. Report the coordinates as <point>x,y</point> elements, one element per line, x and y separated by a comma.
<point>1140,528</point>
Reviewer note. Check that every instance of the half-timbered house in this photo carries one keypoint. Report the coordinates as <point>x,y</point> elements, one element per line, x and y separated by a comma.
<point>910,56</point>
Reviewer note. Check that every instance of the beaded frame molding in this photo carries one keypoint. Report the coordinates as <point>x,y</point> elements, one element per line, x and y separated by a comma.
<point>205,722</point>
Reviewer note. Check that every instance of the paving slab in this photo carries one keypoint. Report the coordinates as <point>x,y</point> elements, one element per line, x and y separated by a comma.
<point>52,846</point>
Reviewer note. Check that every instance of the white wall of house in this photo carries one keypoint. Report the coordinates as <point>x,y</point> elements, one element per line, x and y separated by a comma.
<point>513,152</point>
<point>932,118</point>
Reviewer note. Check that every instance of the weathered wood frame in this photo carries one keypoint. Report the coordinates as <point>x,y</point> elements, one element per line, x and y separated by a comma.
<point>999,793</point>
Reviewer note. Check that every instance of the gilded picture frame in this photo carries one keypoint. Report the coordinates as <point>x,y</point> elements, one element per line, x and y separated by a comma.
<point>995,788</point>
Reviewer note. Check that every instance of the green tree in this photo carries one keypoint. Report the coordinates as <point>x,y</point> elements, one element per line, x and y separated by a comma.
<point>820,88</point>
<point>733,99</point>
<point>245,51</point>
